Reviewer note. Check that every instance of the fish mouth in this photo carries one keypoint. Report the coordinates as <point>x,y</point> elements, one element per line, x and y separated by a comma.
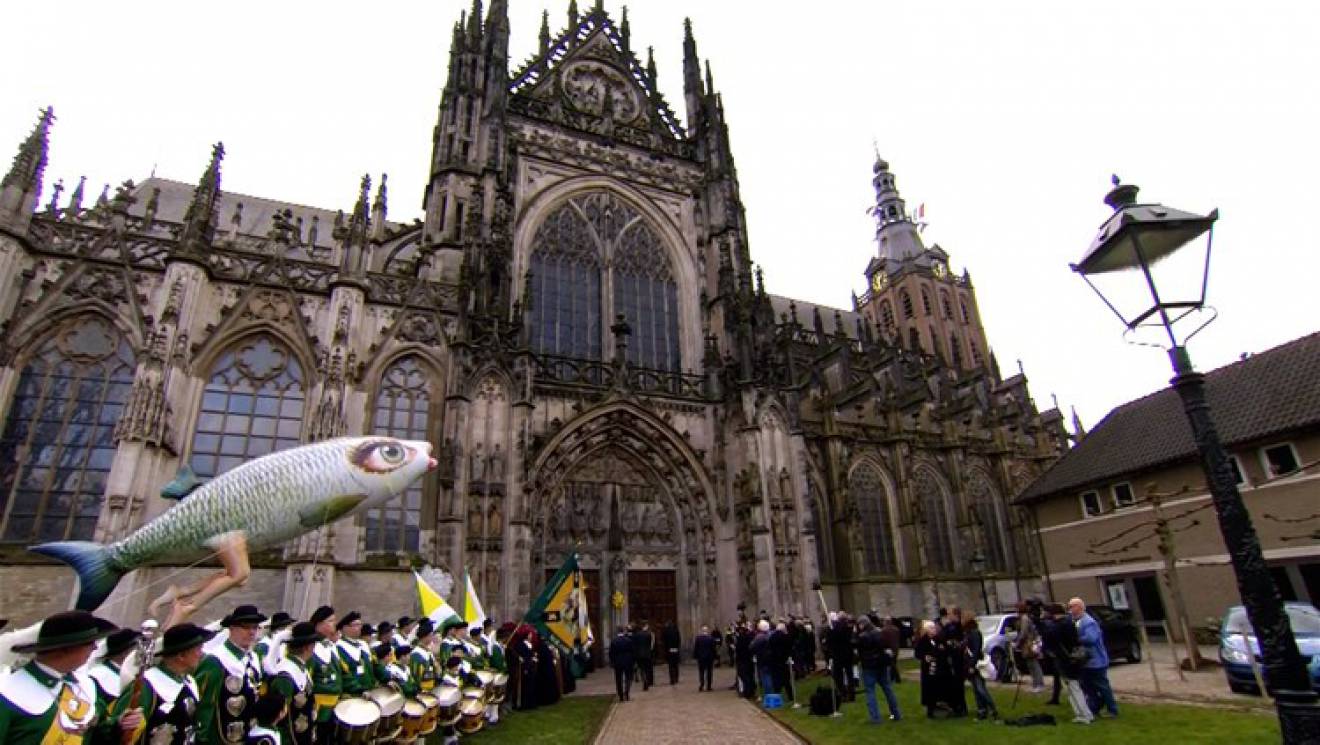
<point>431,464</point>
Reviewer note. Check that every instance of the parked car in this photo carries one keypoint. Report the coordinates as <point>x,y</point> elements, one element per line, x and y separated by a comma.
<point>1235,634</point>
<point>1122,640</point>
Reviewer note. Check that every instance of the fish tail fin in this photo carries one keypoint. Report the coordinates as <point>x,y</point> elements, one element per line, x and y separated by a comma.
<point>97,576</point>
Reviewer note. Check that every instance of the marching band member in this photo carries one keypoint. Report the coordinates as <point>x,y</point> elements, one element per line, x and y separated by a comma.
<point>421,662</point>
<point>270,710</point>
<point>327,684</point>
<point>229,680</point>
<point>168,701</point>
<point>48,699</point>
<point>293,681</point>
<point>105,673</point>
<point>355,664</point>
<point>270,650</point>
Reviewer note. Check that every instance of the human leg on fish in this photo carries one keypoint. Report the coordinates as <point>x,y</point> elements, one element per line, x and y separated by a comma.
<point>232,551</point>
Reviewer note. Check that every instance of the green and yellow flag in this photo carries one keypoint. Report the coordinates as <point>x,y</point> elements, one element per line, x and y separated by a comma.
<point>560,613</point>
<point>473,613</point>
<point>434,607</point>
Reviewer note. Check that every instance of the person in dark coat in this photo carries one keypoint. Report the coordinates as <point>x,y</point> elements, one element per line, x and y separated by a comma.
<point>937,683</point>
<point>840,643</point>
<point>743,660</point>
<point>672,641</point>
<point>974,644</point>
<point>705,651</point>
<point>1059,637</point>
<point>874,657</point>
<point>623,658</point>
<point>764,657</point>
<point>893,641</point>
<point>549,684</point>
<point>644,650</point>
<point>521,656</point>
<point>781,659</point>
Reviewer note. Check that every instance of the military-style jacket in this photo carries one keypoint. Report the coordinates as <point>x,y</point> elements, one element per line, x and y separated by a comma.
<point>294,683</point>
<point>106,676</point>
<point>169,706</point>
<point>39,705</point>
<point>356,666</point>
<point>422,666</point>
<point>326,681</point>
<point>229,683</point>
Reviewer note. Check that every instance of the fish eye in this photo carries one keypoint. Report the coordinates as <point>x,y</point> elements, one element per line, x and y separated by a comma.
<point>391,453</point>
<point>380,456</point>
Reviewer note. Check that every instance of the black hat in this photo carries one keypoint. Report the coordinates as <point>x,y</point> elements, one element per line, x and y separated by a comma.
<point>69,629</point>
<point>243,614</point>
<point>405,620</point>
<point>182,638</point>
<point>322,613</point>
<point>268,708</point>
<point>121,641</point>
<point>382,651</point>
<point>403,650</point>
<point>303,633</point>
<point>4,622</point>
<point>350,617</point>
<point>385,627</point>
<point>424,628</point>
<point>474,631</point>
<point>453,662</point>
<point>368,629</point>
<point>280,620</point>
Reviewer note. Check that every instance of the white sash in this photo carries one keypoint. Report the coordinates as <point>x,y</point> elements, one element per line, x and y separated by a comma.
<point>167,689</point>
<point>235,665</point>
<point>295,671</point>
<point>107,678</point>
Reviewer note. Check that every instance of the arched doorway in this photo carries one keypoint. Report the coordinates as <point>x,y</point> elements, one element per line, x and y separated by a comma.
<point>624,491</point>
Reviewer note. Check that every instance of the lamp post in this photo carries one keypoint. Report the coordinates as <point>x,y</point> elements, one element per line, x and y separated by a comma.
<point>977,561</point>
<point>1136,240</point>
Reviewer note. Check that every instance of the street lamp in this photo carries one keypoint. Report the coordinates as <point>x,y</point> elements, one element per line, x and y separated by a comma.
<point>1138,239</point>
<point>977,561</point>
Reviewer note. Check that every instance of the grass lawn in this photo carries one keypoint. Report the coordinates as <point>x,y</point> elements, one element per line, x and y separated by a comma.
<point>1165,724</point>
<point>574,720</point>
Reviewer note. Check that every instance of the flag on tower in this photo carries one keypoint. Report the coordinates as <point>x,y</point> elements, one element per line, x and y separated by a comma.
<point>472,611</point>
<point>434,607</point>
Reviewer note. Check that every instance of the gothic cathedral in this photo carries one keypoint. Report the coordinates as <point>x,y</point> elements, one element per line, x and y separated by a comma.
<point>576,323</point>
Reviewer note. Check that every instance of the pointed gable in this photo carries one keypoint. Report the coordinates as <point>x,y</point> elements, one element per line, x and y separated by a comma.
<point>588,79</point>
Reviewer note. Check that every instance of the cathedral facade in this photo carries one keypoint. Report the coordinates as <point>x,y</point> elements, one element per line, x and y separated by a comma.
<point>576,323</point>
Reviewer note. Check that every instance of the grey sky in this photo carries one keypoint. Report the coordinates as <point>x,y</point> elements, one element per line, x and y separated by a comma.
<point>1006,119</point>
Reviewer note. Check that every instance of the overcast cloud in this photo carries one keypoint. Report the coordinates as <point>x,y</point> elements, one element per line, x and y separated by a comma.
<point>1006,119</point>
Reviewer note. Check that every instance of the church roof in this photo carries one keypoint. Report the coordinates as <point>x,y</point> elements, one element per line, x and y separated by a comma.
<point>1266,395</point>
<point>804,313</point>
<point>256,215</point>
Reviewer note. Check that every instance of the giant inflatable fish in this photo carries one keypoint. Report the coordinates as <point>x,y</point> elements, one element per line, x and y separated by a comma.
<point>258,505</point>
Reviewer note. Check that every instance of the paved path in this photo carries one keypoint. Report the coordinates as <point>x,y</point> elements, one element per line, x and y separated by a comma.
<point>669,715</point>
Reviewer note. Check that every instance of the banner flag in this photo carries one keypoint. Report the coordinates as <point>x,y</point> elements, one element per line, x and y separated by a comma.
<point>472,611</point>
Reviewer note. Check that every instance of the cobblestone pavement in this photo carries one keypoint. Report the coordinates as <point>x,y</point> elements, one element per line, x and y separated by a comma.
<point>669,715</point>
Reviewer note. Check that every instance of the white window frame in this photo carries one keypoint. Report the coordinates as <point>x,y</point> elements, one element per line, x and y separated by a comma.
<point>1265,460</point>
<point>1241,469</point>
<point>1099,505</point>
<point>1113,495</point>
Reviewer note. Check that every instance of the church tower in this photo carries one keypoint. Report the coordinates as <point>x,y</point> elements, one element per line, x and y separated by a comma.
<point>912,296</point>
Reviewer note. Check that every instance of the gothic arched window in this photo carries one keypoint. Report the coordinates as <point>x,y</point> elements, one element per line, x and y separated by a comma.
<point>402,409</point>
<point>976,353</point>
<point>887,316</point>
<point>914,339</point>
<point>982,496</point>
<point>955,350</point>
<point>925,301</point>
<point>906,299</point>
<point>570,252</point>
<point>58,439</point>
<point>944,304</point>
<point>935,514</point>
<point>867,487</point>
<point>966,317</point>
<point>252,405</point>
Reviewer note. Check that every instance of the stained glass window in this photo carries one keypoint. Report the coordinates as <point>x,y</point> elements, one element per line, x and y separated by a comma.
<point>982,496</point>
<point>935,511</point>
<point>403,410</point>
<point>867,487</point>
<point>570,252</point>
<point>58,440</point>
<point>252,405</point>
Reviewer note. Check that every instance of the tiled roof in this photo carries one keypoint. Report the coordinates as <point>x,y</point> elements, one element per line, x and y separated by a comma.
<point>804,308</point>
<point>1268,394</point>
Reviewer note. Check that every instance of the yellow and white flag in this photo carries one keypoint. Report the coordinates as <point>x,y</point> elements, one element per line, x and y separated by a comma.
<point>434,607</point>
<point>473,614</point>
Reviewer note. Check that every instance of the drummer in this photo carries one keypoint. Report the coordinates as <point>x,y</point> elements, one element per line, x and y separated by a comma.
<point>390,672</point>
<point>355,661</point>
<point>404,632</point>
<point>166,709</point>
<point>229,680</point>
<point>269,711</point>
<point>292,681</point>
<point>325,671</point>
<point>385,633</point>
<point>421,662</point>
<point>105,673</point>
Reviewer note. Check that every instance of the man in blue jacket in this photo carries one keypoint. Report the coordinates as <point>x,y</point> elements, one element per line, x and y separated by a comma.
<point>623,659</point>
<point>1095,671</point>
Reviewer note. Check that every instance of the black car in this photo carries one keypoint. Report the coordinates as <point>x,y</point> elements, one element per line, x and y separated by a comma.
<point>1122,640</point>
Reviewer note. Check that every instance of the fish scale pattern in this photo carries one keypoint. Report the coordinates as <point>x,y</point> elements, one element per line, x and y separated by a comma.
<point>264,498</point>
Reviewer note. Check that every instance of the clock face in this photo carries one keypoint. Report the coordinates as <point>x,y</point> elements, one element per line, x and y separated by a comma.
<point>879,280</point>
<point>938,269</point>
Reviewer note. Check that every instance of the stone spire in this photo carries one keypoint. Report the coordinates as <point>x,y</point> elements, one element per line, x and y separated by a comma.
<point>21,186</point>
<point>379,209</point>
<point>693,93</point>
<point>572,13</point>
<point>199,221</point>
<point>897,235</point>
<point>545,33</point>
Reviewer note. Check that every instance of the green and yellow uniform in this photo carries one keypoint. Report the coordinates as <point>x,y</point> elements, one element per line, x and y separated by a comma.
<point>229,681</point>
<point>39,705</point>
<point>327,684</point>
<point>169,706</point>
<point>356,666</point>
<point>292,681</point>
<point>423,669</point>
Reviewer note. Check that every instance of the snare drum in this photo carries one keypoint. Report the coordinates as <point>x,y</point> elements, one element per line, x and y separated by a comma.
<point>412,716</point>
<point>473,715</point>
<point>431,720</point>
<point>355,721</point>
<point>391,711</point>
<point>499,688</point>
<point>448,699</point>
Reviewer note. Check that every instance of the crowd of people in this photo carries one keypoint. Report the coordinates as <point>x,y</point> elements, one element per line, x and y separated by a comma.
<point>265,681</point>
